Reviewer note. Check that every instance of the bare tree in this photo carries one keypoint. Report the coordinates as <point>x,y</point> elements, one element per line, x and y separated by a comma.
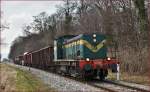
<point>65,16</point>
<point>39,23</point>
<point>26,30</point>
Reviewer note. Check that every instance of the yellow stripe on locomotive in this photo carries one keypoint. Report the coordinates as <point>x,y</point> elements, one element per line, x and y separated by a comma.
<point>86,44</point>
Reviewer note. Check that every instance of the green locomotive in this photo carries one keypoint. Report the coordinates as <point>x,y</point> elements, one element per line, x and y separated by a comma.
<point>85,54</point>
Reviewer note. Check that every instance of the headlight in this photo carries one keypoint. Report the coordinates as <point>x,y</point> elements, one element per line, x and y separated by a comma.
<point>87,59</point>
<point>108,58</point>
<point>94,35</point>
<point>94,40</point>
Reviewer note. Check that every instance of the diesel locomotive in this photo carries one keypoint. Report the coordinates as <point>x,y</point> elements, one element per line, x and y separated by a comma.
<point>84,55</point>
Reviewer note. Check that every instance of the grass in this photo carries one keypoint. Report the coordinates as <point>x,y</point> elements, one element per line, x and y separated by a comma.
<point>27,83</point>
<point>133,78</point>
<point>16,80</point>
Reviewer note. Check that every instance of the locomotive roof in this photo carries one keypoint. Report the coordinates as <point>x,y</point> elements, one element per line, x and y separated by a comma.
<point>73,39</point>
<point>78,37</point>
<point>65,36</point>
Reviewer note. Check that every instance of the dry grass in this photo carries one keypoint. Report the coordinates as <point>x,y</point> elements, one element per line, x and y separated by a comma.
<point>7,79</point>
<point>139,79</point>
<point>16,80</point>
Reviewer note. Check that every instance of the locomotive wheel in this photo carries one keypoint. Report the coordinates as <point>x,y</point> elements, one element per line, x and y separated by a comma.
<point>87,75</point>
<point>102,74</point>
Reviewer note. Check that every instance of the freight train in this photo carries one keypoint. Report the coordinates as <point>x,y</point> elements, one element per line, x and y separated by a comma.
<point>84,55</point>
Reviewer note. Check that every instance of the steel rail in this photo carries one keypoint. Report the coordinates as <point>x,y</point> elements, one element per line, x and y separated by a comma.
<point>127,86</point>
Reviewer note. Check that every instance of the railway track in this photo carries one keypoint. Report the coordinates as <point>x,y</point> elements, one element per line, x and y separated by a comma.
<point>119,83</point>
<point>107,85</point>
<point>112,86</point>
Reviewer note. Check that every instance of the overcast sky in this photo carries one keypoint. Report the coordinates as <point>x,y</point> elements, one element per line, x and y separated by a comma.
<point>18,13</point>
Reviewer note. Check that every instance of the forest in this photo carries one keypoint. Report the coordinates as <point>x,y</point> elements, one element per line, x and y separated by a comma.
<point>125,22</point>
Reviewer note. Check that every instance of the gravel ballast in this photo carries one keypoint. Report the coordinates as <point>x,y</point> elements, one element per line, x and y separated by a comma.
<point>60,83</point>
